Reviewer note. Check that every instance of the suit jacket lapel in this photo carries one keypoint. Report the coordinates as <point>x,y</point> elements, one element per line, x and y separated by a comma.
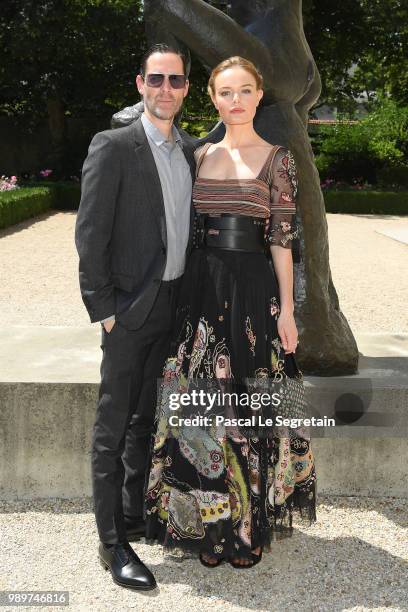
<point>150,177</point>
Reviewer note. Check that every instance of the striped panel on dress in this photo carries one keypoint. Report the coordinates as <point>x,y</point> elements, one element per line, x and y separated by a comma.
<point>255,197</point>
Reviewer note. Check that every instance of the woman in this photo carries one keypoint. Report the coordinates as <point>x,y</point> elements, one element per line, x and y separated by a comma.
<point>227,493</point>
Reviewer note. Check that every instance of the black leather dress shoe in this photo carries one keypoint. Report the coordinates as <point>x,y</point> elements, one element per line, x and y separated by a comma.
<point>135,529</point>
<point>125,566</point>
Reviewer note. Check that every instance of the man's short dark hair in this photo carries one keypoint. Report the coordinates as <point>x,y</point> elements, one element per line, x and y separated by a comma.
<point>162,48</point>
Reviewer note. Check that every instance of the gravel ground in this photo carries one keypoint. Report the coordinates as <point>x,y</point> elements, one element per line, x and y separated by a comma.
<point>39,263</point>
<point>354,558</point>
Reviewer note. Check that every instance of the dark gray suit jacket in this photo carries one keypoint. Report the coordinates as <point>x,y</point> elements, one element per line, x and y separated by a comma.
<point>120,230</point>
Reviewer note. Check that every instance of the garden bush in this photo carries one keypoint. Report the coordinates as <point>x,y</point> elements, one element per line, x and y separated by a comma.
<point>20,204</point>
<point>374,150</point>
<point>31,200</point>
<point>66,195</point>
<point>366,202</point>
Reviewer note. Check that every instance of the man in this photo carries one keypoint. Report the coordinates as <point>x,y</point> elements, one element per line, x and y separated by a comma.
<point>132,234</point>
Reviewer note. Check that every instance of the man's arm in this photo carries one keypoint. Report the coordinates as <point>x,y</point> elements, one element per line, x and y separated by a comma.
<point>100,184</point>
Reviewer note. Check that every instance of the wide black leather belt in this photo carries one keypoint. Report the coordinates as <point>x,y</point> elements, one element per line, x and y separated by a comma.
<point>231,232</point>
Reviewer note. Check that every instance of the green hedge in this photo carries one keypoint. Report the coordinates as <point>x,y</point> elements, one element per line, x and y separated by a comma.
<point>31,200</point>
<point>66,195</point>
<point>20,204</point>
<point>367,202</point>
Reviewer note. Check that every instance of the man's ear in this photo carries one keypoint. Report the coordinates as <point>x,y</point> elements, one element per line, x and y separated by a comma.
<point>140,84</point>
<point>186,88</point>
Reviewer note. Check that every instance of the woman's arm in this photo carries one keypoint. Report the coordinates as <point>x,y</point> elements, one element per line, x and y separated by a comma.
<point>283,264</point>
<point>281,233</point>
<point>282,261</point>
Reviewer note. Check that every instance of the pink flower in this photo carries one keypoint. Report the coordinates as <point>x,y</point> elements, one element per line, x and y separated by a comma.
<point>45,173</point>
<point>8,184</point>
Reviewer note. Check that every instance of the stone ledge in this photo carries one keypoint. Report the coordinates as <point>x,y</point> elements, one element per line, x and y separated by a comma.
<point>49,389</point>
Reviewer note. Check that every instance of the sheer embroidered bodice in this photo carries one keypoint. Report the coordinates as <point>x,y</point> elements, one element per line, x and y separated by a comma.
<point>271,195</point>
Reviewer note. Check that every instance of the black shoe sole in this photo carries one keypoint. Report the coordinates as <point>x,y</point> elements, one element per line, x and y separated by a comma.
<point>122,584</point>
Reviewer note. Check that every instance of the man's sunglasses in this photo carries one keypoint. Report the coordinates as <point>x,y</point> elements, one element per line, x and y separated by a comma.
<point>177,81</point>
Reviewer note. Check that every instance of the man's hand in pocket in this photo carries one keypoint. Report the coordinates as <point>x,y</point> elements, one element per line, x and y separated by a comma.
<point>108,325</point>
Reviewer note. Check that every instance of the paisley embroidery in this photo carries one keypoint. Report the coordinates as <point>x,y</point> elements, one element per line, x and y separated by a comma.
<point>222,361</point>
<point>201,340</point>
<point>275,309</point>
<point>250,334</point>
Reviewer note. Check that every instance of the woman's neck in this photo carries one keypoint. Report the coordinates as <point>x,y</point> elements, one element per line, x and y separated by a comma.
<point>237,136</point>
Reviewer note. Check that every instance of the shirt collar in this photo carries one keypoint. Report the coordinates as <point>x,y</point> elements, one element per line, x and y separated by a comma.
<point>156,135</point>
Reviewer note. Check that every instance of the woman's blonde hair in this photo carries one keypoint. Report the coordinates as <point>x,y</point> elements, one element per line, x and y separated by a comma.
<point>231,62</point>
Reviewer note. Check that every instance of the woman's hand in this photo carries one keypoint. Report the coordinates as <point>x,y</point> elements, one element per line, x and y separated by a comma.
<point>288,331</point>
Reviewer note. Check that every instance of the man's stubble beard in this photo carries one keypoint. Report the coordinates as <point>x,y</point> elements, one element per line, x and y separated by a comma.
<point>160,113</point>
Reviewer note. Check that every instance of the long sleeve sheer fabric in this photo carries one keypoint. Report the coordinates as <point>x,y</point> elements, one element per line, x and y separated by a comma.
<point>281,228</point>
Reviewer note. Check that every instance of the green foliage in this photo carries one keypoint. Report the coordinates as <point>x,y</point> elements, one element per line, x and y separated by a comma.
<point>31,200</point>
<point>364,150</point>
<point>382,69</point>
<point>66,195</point>
<point>366,202</point>
<point>82,53</point>
<point>197,127</point>
<point>360,48</point>
<point>20,204</point>
<point>395,177</point>
<point>335,33</point>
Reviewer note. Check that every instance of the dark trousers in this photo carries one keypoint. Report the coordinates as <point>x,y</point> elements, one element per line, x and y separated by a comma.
<point>132,362</point>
